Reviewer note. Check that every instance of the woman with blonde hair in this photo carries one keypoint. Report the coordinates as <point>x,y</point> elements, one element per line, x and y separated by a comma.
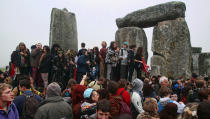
<point>150,107</point>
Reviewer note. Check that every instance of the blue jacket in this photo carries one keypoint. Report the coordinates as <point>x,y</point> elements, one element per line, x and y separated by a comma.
<point>82,65</point>
<point>11,113</point>
<point>20,100</point>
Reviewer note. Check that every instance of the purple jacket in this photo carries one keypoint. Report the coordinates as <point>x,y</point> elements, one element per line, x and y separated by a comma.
<point>11,113</point>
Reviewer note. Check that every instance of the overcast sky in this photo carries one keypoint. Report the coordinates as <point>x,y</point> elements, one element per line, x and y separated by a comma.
<point>28,21</point>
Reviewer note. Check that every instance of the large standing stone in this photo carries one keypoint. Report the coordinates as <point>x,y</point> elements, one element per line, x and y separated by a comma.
<point>63,29</point>
<point>204,64</point>
<point>195,57</point>
<point>152,15</point>
<point>171,43</point>
<point>134,36</point>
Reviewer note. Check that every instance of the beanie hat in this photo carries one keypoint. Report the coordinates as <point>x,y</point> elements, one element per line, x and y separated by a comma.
<point>88,93</point>
<point>53,89</point>
<point>125,43</point>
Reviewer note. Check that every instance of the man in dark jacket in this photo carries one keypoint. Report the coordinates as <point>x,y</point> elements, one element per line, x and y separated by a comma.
<point>34,60</point>
<point>54,107</point>
<point>83,64</point>
<point>24,87</point>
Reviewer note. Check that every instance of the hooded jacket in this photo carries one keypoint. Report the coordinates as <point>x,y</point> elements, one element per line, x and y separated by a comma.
<point>11,113</point>
<point>136,98</point>
<point>54,108</point>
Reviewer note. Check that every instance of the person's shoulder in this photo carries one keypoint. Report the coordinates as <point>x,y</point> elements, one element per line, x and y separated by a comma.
<point>93,116</point>
<point>19,99</point>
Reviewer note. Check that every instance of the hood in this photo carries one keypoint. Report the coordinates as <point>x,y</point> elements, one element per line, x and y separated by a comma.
<point>164,101</point>
<point>137,85</point>
<point>54,99</point>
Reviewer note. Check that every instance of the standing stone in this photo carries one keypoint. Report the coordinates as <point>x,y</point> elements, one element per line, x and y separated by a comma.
<point>63,29</point>
<point>195,57</point>
<point>204,64</point>
<point>134,36</point>
<point>152,15</point>
<point>171,48</point>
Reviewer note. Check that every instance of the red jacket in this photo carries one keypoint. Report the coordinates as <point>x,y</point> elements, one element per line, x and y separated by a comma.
<point>125,95</point>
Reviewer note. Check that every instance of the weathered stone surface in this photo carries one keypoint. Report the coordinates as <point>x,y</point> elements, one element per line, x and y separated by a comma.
<point>204,64</point>
<point>158,66</point>
<point>171,41</point>
<point>63,29</point>
<point>134,36</point>
<point>195,59</point>
<point>152,15</point>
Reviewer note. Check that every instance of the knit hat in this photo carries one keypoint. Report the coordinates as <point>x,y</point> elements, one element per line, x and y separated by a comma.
<point>125,43</point>
<point>137,85</point>
<point>53,89</point>
<point>88,93</point>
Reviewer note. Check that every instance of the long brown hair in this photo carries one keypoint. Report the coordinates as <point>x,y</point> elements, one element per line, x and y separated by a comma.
<point>139,51</point>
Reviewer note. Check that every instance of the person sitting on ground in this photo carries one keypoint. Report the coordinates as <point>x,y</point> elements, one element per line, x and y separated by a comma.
<point>169,112</point>
<point>150,107</point>
<point>122,91</point>
<point>137,98</point>
<point>24,87</point>
<point>68,91</point>
<point>103,109</point>
<point>8,109</point>
<point>193,94</point>
<point>97,84</point>
<point>114,99</point>
<point>54,107</point>
<point>189,111</point>
<point>17,91</point>
<point>165,99</point>
<point>89,106</point>
<point>77,99</point>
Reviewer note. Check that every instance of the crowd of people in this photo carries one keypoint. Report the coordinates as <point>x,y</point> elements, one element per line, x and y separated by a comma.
<point>110,83</point>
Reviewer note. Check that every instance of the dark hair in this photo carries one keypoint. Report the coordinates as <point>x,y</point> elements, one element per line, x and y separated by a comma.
<point>33,46</point>
<point>169,111</point>
<point>47,48</point>
<point>203,94</point>
<point>104,105</point>
<point>82,44</point>
<point>203,110</point>
<point>25,83</point>
<point>156,79</point>
<point>132,46</point>
<point>71,83</point>
<point>122,83</point>
<point>139,51</point>
<point>199,83</point>
<point>112,45</point>
<point>147,90</point>
<point>164,91</point>
<point>97,50</point>
<point>194,75</point>
<point>103,94</point>
<point>112,87</point>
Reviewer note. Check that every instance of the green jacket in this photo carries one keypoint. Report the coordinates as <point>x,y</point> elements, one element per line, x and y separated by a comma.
<point>54,108</point>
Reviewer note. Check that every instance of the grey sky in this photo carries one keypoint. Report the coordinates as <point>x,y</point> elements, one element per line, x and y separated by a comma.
<point>29,21</point>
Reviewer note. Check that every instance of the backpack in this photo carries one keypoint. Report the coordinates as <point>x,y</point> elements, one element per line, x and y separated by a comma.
<point>30,107</point>
<point>124,108</point>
